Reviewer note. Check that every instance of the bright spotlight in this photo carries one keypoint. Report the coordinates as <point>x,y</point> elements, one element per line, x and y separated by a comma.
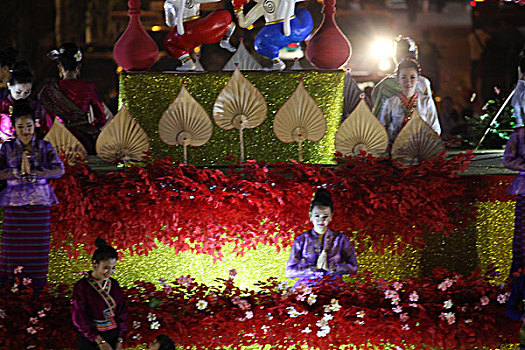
<point>382,48</point>
<point>385,64</point>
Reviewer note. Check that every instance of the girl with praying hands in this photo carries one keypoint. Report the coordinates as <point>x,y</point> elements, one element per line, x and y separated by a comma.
<point>398,110</point>
<point>320,251</point>
<point>99,307</point>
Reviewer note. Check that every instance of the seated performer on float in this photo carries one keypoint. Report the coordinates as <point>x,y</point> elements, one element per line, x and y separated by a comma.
<point>320,251</point>
<point>514,159</point>
<point>398,109</point>
<point>190,30</point>
<point>282,28</point>
<point>406,48</point>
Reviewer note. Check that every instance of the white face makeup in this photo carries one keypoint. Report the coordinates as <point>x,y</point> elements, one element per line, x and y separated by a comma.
<point>25,129</point>
<point>320,216</point>
<point>20,91</point>
<point>407,79</point>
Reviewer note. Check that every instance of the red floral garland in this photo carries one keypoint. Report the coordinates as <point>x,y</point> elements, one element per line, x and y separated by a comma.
<point>201,209</point>
<point>446,310</point>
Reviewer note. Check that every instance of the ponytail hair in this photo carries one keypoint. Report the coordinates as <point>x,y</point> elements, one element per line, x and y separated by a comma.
<point>104,251</point>
<point>322,197</point>
<point>21,74</point>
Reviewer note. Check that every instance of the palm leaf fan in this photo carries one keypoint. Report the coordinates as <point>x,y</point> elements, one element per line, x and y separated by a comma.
<point>352,96</point>
<point>122,139</point>
<point>185,123</point>
<point>361,131</point>
<point>242,59</point>
<point>66,144</point>
<point>239,105</point>
<point>416,142</point>
<point>299,119</point>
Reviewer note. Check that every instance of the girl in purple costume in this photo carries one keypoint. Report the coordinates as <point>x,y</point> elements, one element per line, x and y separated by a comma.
<point>99,306</point>
<point>321,251</point>
<point>26,162</point>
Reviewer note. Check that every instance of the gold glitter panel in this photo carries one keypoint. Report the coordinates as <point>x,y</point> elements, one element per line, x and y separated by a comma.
<point>255,265</point>
<point>495,229</point>
<point>148,95</point>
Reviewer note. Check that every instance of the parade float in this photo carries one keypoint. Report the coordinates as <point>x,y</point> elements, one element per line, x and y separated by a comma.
<point>214,172</point>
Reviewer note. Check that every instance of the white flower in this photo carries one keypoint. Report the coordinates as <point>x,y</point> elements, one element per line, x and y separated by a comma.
<point>31,330</point>
<point>2,313</point>
<point>405,327</point>
<point>412,305</point>
<point>33,320</point>
<point>467,321</point>
<point>137,337</point>
<point>360,322</point>
<point>155,325</point>
<point>335,305</point>
<point>449,316</point>
<point>265,328</point>
<point>448,304</point>
<point>312,298</point>
<point>397,309</point>
<point>360,314</point>
<point>41,314</point>
<point>15,288</point>
<point>328,317</point>
<point>151,317</point>
<point>136,324</point>
<point>502,298</point>
<point>249,315</point>
<point>322,323</point>
<point>269,316</point>
<point>201,304</point>
<point>306,330</point>
<point>321,334</point>
<point>292,312</point>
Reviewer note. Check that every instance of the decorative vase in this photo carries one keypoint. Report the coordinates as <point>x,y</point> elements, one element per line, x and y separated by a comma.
<point>329,48</point>
<point>135,49</point>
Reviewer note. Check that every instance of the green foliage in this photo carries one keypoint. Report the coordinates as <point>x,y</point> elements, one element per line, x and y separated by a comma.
<point>500,130</point>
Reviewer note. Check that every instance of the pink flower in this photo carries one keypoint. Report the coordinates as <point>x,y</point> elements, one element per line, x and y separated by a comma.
<point>397,309</point>
<point>397,285</point>
<point>233,273</point>
<point>404,317</point>
<point>405,327</point>
<point>31,330</point>
<point>41,314</point>
<point>484,300</point>
<point>27,281</point>
<point>413,296</point>
<point>33,320</point>
<point>19,269</point>
<point>31,347</point>
<point>47,307</point>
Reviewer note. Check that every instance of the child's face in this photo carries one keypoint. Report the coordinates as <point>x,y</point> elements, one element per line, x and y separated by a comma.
<point>407,79</point>
<point>20,91</point>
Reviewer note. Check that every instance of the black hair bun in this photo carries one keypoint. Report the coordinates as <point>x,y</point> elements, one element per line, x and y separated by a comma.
<point>323,194</point>
<point>100,242</point>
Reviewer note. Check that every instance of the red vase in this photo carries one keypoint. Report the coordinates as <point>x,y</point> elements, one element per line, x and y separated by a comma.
<point>329,48</point>
<point>135,49</point>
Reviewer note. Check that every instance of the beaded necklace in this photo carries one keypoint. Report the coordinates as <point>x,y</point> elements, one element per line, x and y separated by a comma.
<point>408,105</point>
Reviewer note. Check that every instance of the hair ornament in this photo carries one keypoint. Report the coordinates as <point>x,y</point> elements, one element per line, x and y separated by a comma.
<point>54,54</point>
<point>78,56</point>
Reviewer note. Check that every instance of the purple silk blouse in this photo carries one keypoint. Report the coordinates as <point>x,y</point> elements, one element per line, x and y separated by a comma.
<point>88,305</point>
<point>305,252</point>
<point>514,159</point>
<point>31,189</point>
